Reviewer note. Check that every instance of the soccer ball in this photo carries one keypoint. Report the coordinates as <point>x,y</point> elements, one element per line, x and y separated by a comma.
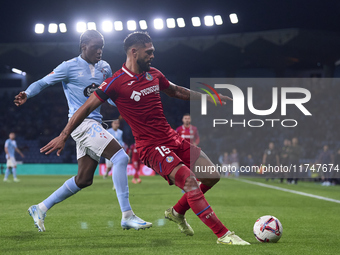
<point>267,229</point>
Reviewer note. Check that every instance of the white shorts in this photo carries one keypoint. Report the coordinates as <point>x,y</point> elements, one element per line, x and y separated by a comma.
<point>91,139</point>
<point>108,163</point>
<point>11,162</point>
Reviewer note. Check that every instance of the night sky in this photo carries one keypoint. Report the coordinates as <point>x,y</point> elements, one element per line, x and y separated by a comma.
<point>19,17</point>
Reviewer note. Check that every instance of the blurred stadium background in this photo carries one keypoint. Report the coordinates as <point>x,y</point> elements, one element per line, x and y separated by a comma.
<point>269,39</point>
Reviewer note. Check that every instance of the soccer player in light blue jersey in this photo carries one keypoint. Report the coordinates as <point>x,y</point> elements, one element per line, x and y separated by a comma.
<point>10,149</point>
<point>80,77</point>
<point>118,134</point>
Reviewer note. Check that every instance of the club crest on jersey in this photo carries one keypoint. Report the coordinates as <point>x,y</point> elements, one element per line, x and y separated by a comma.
<point>148,76</point>
<point>90,89</point>
<point>169,159</point>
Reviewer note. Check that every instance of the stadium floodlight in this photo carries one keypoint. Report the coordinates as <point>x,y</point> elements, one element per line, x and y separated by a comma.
<point>171,23</point>
<point>218,20</point>
<point>131,25</point>
<point>209,21</point>
<point>158,23</point>
<point>180,22</point>
<point>107,26</point>
<point>52,28</point>
<point>196,21</point>
<point>91,26</point>
<point>16,70</point>
<point>118,25</point>
<point>143,25</point>
<point>233,18</point>
<point>62,28</point>
<point>39,28</point>
<point>81,27</point>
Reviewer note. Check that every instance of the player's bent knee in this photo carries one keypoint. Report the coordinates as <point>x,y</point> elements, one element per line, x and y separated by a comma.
<point>120,158</point>
<point>83,182</point>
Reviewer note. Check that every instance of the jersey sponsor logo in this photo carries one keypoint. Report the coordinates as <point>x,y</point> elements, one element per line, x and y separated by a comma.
<point>149,90</point>
<point>169,159</point>
<point>148,76</point>
<point>144,92</point>
<point>90,89</point>
<point>135,96</point>
<point>130,83</point>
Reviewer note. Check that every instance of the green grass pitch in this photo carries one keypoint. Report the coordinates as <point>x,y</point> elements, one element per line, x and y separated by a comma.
<point>89,222</point>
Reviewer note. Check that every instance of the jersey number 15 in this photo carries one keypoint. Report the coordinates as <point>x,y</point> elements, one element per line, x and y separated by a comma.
<point>163,150</point>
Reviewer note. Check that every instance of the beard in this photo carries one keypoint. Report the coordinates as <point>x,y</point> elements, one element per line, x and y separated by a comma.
<point>144,66</point>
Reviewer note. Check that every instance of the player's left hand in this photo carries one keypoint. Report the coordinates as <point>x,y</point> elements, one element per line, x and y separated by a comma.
<point>57,143</point>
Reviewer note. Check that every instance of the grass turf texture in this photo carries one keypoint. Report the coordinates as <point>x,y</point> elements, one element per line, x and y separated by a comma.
<point>89,222</point>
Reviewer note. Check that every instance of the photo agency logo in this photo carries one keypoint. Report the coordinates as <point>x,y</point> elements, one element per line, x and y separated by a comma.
<point>279,100</point>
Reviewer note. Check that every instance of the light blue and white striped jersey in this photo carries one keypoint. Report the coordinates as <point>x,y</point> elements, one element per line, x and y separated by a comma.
<point>11,145</point>
<point>118,135</point>
<point>79,79</point>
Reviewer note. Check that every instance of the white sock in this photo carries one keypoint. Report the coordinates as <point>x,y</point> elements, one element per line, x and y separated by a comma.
<point>42,207</point>
<point>127,214</point>
<point>174,212</point>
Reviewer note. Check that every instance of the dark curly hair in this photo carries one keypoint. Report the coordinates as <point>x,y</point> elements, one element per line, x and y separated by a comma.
<point>136,38</point>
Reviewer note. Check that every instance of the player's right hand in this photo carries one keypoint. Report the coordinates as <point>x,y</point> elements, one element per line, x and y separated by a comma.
<point>57,143</point>
<point>20,99</point>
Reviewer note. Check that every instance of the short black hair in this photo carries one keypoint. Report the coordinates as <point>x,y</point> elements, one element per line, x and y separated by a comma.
<point>88,35</point>
<point>186,114</point>
<point>136,38</point>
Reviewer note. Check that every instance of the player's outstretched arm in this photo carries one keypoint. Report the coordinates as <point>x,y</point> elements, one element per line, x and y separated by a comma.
<point>78,117</point>
<point>59,74</point>
<point>187,94</point>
